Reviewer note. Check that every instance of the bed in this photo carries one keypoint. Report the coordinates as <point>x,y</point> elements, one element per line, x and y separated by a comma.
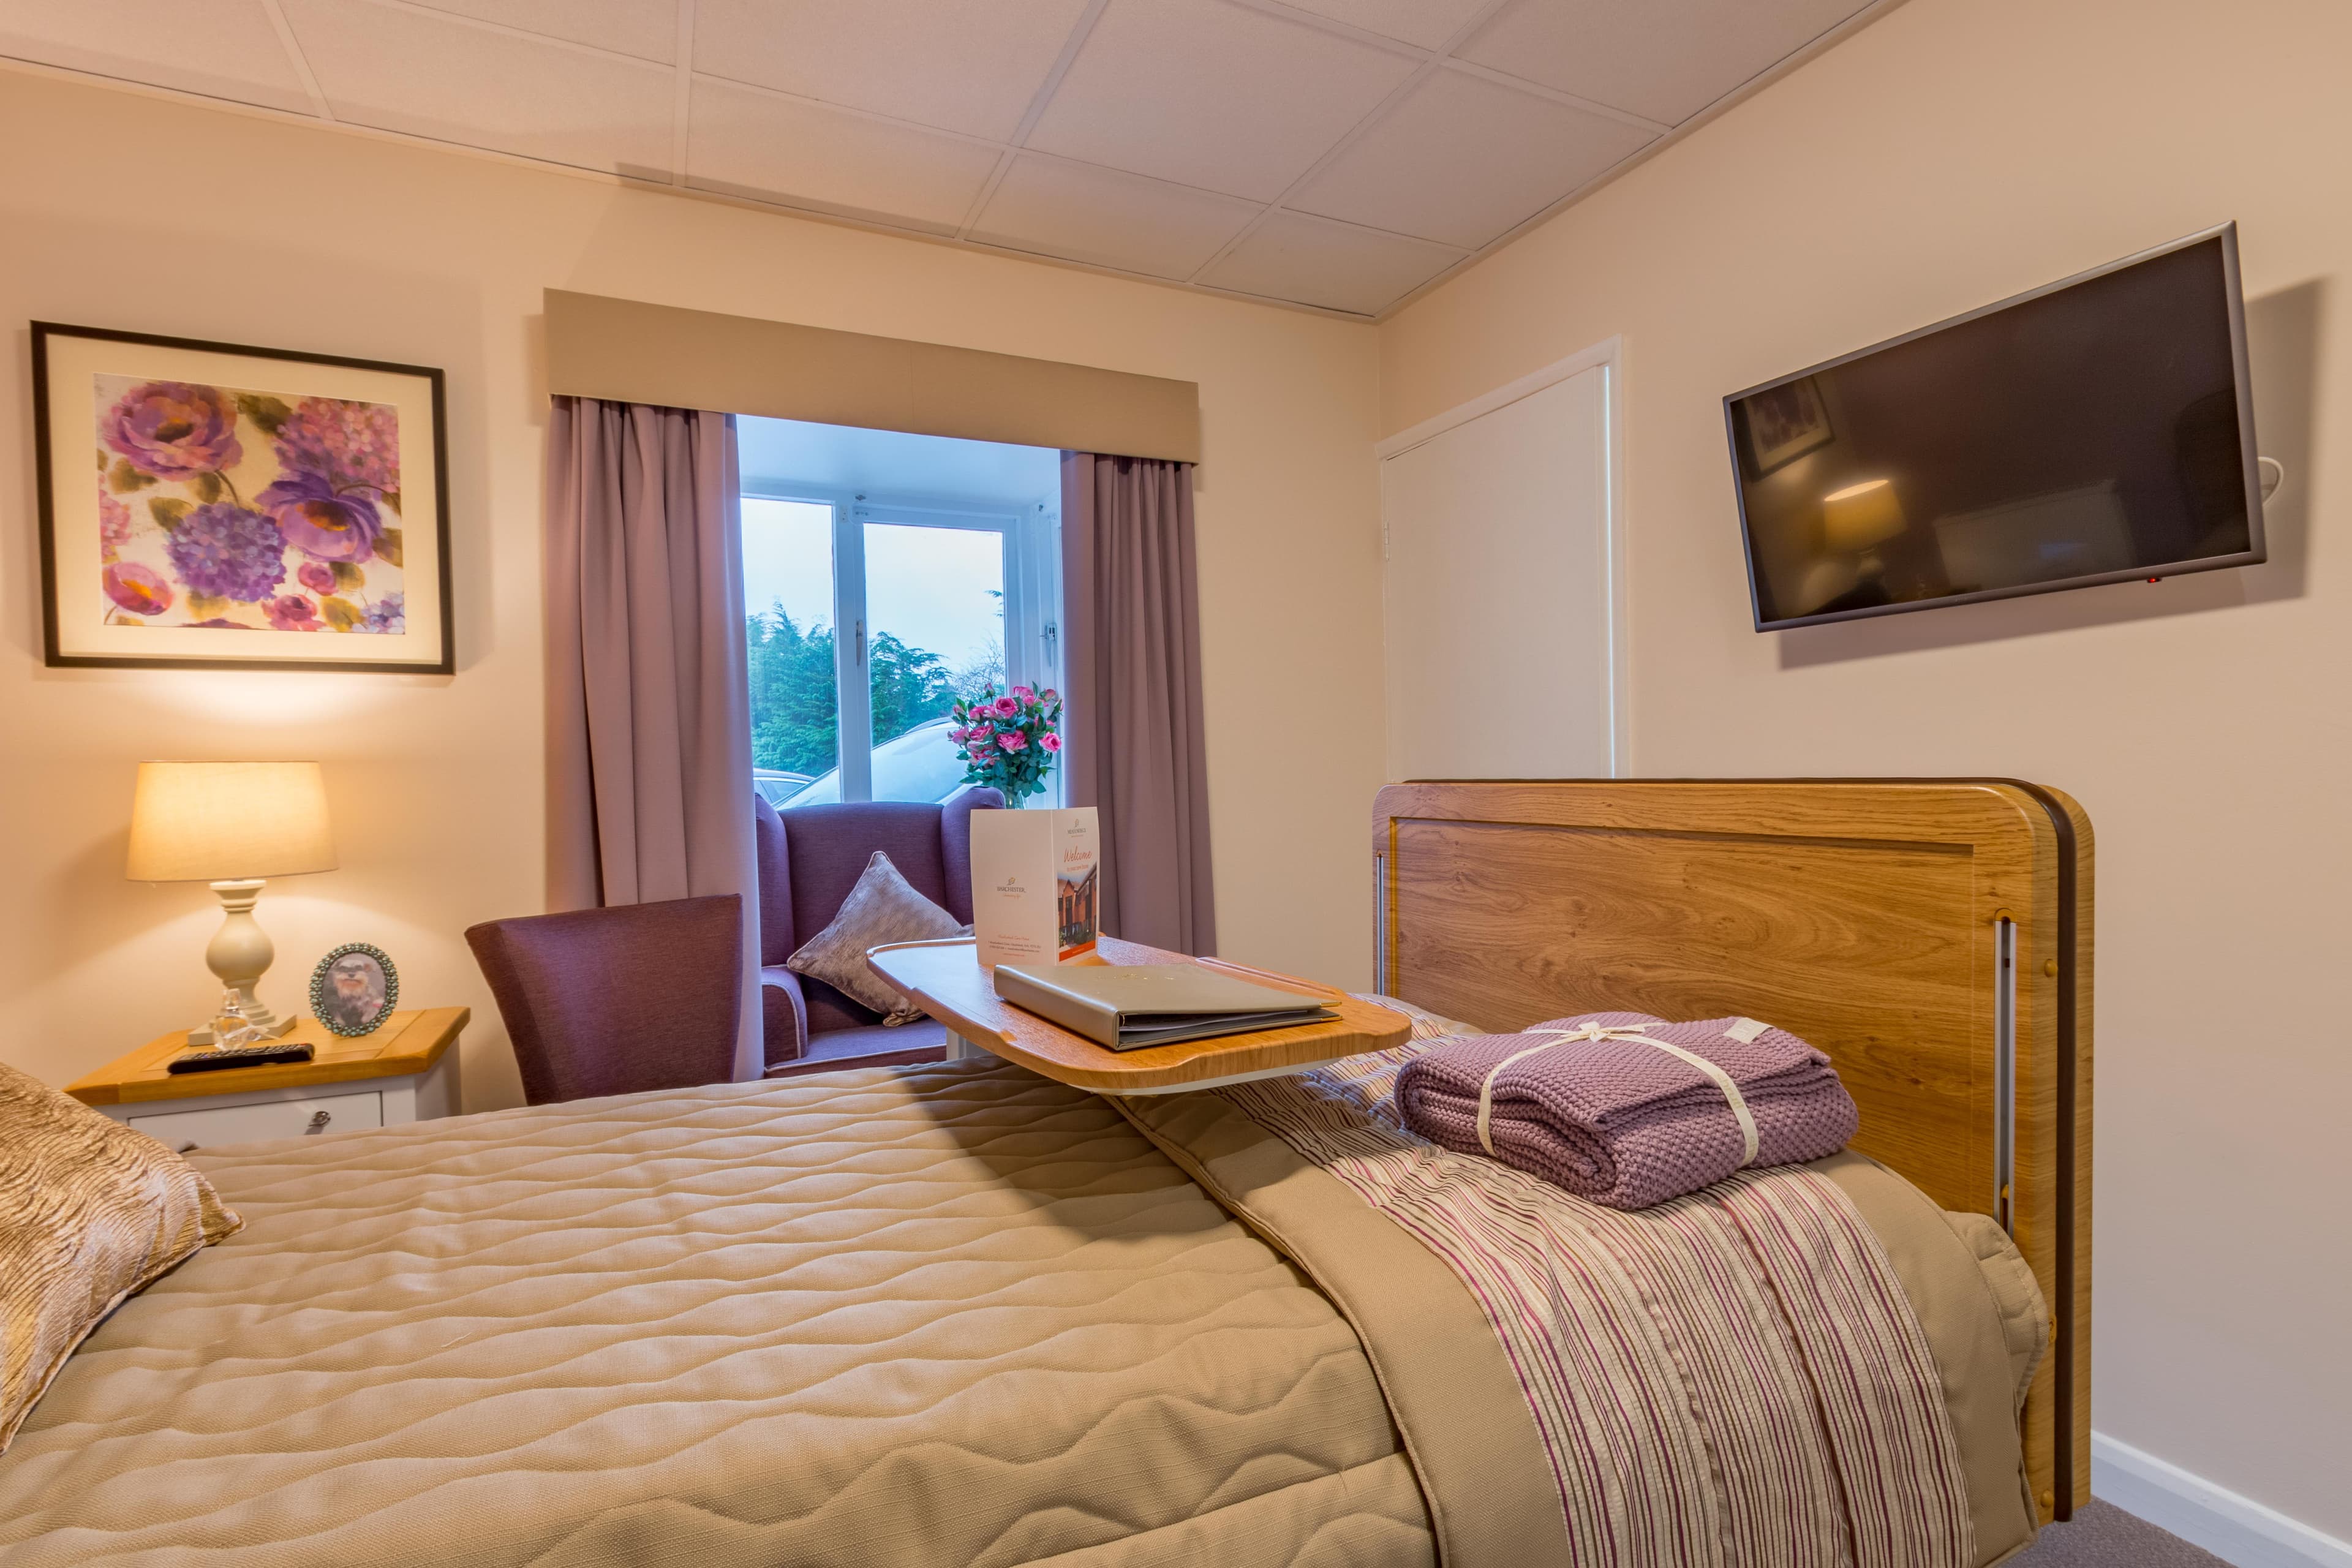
<point>960,1313</point>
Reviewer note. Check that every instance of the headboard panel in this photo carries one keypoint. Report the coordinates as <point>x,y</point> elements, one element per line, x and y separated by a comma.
<point>1866,916</point>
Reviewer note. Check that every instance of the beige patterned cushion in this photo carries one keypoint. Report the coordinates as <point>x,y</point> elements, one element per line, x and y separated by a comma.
<point>883,907</point>
<point>89,1212</point>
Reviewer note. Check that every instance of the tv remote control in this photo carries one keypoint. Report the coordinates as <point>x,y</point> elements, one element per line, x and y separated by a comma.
<point>214,1058</point>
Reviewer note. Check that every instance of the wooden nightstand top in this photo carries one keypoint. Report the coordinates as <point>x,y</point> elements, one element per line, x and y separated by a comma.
<point>409,1042</point>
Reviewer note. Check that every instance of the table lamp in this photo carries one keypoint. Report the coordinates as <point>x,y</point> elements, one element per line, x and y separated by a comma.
<point>1860,517</point>
<point>232,825</point>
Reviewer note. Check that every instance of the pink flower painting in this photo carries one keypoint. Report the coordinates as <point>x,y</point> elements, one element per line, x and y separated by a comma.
<point>241,509</point>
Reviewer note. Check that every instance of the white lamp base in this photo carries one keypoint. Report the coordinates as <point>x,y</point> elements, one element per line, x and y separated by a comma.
<point>240,954</point>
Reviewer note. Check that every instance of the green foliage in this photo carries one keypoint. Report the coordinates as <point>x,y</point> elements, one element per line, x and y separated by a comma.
<point>122,478</point>
<point>269,412</point>
<point>793,701</point>
<point>909,686</point>
<point>347,576</point>
<point>340,614</point>
<point>796,706</point>
<point>207,488</point>
<point>387,546</point>
<point>168,513</point>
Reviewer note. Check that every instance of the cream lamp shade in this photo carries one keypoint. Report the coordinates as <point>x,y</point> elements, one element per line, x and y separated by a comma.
<point>1860,516</point>
<point>218,821</point>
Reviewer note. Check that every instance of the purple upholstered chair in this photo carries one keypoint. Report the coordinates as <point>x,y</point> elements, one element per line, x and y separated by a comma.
<point>809,860</point>
<point>618,1000</point>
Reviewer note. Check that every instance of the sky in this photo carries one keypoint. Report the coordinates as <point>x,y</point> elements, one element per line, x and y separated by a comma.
<point>930,588</point>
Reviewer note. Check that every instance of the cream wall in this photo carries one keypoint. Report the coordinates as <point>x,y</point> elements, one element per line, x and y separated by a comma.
<point>127,211</point>
<point>1954,153</point>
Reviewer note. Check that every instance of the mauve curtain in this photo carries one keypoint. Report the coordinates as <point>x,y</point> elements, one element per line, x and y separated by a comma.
<point>1131,656</point>
<point>649,745</point>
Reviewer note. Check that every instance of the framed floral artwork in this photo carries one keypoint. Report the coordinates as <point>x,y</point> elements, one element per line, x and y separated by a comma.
<point>207,505</point>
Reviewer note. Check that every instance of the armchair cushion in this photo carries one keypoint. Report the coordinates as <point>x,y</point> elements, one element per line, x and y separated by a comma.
<point>882,908</point>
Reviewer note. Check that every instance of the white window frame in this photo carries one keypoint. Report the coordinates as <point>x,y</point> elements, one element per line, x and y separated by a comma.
<point>1031,542</point>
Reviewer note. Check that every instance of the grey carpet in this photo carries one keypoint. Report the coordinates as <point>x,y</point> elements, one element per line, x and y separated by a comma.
<point>2102,1535</point>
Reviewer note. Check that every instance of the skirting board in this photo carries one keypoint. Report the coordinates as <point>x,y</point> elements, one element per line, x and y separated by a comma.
<point>2237,1530</point>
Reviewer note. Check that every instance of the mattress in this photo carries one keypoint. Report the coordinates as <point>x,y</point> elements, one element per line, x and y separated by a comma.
<point>948,1315</point>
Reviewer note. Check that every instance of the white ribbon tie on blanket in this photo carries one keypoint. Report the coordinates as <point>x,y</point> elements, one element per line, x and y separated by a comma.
<point>1722,1079</point>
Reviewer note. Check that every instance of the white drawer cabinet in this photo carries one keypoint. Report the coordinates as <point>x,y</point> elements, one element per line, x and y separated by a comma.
<point>405,1071</point>
<point>255,1121</point>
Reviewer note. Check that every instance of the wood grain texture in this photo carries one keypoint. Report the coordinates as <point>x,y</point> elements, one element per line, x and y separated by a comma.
<point>1862,915</point>
<point>2078,980</point>
<point>409,1042</point>
<point>948,981</point>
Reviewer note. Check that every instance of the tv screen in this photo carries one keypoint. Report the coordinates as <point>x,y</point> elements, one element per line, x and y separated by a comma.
<point>2095,431</point>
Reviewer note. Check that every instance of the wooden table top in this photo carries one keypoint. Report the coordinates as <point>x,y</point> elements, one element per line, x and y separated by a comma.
<point>409,1042</point>
<point>947,981</point>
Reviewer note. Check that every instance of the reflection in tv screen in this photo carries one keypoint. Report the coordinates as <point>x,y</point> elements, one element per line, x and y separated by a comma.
<point>2092,432</point>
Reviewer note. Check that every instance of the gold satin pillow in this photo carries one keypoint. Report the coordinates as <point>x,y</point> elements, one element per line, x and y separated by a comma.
<point>89,1213</point>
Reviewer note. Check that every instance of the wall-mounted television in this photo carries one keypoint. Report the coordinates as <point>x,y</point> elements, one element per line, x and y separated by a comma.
<point>2097,430</point>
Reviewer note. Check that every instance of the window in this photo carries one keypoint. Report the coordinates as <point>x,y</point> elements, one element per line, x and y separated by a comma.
<point>869,615</point>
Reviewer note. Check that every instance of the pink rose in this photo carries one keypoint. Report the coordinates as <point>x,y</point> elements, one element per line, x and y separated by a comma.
<point>137,588</point>
<point>1048,695</point>
<point>1050,741</point>
<point>292,612</point>
<point>1013,741</point>
<point>1023,692</point>
<point>1007,709</point>
<point>316,577</point>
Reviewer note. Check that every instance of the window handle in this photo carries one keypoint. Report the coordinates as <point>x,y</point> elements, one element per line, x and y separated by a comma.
<point>861,645</point>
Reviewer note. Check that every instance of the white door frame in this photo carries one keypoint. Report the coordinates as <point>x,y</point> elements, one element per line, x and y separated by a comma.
<point>1608,355</point>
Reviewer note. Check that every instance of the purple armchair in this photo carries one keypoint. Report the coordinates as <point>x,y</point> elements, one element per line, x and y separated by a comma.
<point>809,860</point>
<point>619,1000</point>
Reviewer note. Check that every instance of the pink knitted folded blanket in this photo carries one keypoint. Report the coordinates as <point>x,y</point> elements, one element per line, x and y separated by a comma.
<point>1623,1122</point>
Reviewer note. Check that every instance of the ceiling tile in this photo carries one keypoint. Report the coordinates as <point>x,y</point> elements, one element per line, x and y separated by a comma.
<point>1663,59</point>
<point>1213,95</point>
<point>1465,158</point>
<point>1083,214</point>
<point>226,50</point>
<point>1315,261</point>
<point>403,70</point>
<point>750,142</point>
<point>949,63</point>
<point>1427,23</point>
<point>645,29</point>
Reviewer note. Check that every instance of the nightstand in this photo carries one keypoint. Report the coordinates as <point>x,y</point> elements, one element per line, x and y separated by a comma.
<point>405,1071</point>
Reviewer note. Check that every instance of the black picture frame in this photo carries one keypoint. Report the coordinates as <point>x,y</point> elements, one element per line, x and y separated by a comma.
<point>56,654</point>
<point>1807,421</point>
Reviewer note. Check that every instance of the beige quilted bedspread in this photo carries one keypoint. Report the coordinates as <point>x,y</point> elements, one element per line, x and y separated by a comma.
<point>941,1315</point>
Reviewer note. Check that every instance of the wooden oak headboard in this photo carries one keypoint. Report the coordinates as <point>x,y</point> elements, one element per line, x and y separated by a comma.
<point>1933,936</point>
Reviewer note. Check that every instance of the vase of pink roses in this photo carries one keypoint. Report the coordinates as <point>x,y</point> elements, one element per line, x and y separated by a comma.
<point>1009,741</point>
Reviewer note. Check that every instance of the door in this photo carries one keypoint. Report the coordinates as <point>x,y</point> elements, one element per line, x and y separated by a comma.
<point>1501,628</point>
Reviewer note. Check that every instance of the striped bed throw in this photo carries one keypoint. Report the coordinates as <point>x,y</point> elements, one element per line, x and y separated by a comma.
<point>1731,1378</point>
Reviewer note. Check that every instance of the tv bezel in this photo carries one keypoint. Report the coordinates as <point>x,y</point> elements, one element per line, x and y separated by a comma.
<point>2249,459</point>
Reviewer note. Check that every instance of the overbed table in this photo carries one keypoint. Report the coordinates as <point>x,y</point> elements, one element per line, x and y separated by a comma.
<point>947,980</point>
